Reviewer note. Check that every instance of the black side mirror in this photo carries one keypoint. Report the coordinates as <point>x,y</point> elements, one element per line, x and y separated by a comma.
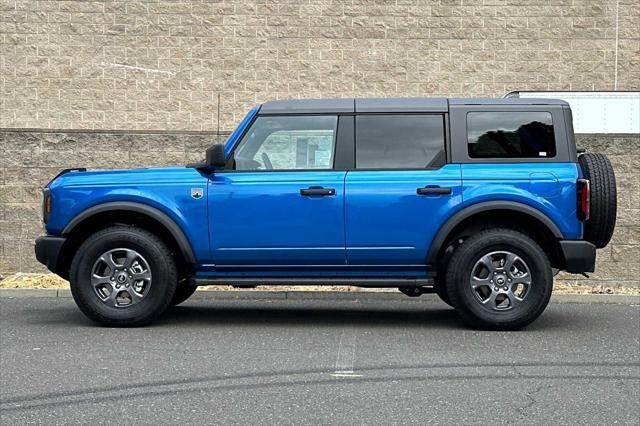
<point>214,158</point>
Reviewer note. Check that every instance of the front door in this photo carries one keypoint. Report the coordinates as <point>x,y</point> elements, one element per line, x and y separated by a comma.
<point>401,190</point>
<point>282,204</point>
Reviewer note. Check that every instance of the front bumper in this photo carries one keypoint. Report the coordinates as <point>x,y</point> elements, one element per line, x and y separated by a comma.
<point>48,250</point>
<point>579,256</point>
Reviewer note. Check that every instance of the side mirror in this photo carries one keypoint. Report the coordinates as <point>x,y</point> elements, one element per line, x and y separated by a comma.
<point>214,158</point>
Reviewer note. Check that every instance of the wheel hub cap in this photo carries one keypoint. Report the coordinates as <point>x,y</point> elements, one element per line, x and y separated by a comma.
<point>121,277</point>
<point>500,280</point>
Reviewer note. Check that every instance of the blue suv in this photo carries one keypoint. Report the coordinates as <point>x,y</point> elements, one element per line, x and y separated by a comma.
<point>478,200</point>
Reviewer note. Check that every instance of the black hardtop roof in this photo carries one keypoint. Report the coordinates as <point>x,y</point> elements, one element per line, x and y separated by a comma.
<point>351,105</point>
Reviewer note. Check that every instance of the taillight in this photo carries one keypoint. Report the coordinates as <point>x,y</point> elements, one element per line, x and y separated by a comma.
<point>584,197</point>
<point>46,205</point>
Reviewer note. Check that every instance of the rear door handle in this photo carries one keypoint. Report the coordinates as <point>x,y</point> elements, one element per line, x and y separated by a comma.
<point>317,191</point>
<point>433,190</point>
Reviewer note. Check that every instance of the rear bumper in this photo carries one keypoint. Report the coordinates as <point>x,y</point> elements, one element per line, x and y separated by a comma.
<point>48,251</point>
<point>579,256</point>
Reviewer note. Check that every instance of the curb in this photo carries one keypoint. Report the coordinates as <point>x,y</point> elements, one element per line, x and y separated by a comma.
<point>615,299</point>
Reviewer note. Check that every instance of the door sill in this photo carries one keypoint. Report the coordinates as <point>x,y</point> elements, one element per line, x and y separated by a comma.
<point>352,281</point>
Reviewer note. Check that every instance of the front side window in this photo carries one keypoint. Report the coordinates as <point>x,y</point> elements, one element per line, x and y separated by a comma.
<point>288,143</point>
<point>399,141</point>
<point>510,134</point>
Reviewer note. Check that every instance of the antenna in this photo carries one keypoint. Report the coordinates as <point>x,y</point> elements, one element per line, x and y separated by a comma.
<point>218,118</point>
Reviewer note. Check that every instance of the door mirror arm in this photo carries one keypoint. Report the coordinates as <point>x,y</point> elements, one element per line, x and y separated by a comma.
<point>215,159</point>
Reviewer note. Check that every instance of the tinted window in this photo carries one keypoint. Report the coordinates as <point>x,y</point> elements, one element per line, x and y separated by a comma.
<point>399,141</point>
<point>510,135</point>
<point>288,143</point>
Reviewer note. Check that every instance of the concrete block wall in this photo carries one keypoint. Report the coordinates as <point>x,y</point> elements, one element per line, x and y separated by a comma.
<point>161,64</point>
<point>30,158</point>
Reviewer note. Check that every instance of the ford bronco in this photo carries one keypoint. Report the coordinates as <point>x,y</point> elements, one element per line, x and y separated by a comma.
<point>480,201</point>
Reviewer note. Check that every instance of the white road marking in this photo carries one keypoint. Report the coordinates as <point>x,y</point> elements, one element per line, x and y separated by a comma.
<point>346,355</point>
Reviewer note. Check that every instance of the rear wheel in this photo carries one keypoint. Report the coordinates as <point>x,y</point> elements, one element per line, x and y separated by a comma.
<point>123,276</point>
<point>499,279</point>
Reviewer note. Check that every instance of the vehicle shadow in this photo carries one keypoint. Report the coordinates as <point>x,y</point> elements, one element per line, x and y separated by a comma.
<point>277,316</point>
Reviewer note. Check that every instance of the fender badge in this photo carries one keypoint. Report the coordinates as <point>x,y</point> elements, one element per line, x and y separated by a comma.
<point>196,193</point>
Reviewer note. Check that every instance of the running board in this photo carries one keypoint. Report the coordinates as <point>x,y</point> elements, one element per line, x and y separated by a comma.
<point>353,281</point>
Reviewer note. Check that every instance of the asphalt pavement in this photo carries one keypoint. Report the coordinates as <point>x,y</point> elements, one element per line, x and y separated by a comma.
<point>364,361</point>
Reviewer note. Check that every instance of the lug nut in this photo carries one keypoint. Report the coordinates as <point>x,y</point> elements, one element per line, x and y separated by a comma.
<point>117,285</point>
<point>496,288</point>
<point>491,281</point>
<point>112,278</point>
<point>505,288</point>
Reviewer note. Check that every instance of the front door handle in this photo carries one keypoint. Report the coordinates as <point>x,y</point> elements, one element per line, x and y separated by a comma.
<point>318,191</point>
<point>433,190</point>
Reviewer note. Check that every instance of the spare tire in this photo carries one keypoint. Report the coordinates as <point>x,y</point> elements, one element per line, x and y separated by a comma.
<point>597,168</point>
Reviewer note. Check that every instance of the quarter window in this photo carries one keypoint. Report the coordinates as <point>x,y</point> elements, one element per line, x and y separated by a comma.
<point>288,143</point>
<point>510,135</point>
<point>399,141</point>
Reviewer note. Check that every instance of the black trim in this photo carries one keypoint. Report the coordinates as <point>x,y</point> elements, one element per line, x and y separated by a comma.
<point>166,221</point>
<point>356,281</point>
<point>344,157</point>
<point>48,249</point>
<point>457,218</point>
<point>579,256</point>
<point>459,134</point>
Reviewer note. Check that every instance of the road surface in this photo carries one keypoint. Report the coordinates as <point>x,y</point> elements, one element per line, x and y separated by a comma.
<point>307,362</point>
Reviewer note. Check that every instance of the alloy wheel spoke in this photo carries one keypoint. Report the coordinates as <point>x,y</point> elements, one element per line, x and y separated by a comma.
<point>479,282</point>
<point>144,275</point>
<point>131,256</point>
<point>514,301</point>
<point>107,258</point>
<point>487,261</point>
<point>97,280</point>
<point>509,260</point>
<point>491,300</point>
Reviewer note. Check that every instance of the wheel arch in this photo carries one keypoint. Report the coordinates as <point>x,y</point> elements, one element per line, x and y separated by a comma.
<point>126,212</point>
<point>481,210</point>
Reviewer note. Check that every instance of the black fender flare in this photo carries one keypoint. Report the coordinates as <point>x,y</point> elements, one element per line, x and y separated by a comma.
<point>166,221</point>
<point>456,219</point>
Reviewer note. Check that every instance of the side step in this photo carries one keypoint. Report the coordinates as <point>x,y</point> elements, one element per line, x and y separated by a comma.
<point>353,281</point>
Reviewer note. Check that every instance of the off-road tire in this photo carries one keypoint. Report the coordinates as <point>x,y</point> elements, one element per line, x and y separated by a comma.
<point>161,264</point>
<point>462,296</point>
<point>603,202</point>
<point>183,292</point>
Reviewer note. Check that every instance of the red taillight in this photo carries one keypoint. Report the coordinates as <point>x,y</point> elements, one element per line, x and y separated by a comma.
<point>584,197</point>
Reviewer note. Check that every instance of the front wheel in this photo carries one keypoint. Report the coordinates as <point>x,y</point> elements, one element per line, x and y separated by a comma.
<point>123,276</point>
<point>499,279</point>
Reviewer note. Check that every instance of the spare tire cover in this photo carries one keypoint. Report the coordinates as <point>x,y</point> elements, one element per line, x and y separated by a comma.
<point>602,219</point>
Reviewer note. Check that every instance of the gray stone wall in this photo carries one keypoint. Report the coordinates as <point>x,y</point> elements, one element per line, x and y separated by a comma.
<point>161,64</point>
<point>28,159</point>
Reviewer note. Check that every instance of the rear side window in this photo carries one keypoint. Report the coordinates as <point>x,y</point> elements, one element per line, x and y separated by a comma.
<point>510,134</point>
<point>410,141</point>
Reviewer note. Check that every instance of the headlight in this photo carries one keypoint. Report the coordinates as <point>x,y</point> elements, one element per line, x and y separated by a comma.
<point>46,204</point>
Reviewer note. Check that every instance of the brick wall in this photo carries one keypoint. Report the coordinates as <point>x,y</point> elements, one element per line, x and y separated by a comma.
<point>30,159</point>
<point>162,64</point>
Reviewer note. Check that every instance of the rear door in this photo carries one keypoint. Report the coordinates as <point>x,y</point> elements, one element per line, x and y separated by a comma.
<point>283,202</point>
<point>401,190</point>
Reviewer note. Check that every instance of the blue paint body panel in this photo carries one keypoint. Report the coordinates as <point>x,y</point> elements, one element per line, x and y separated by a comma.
<point>259,218</point>
<point>166,189</point>
<point>388,223</point>
<point>548,187</point>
